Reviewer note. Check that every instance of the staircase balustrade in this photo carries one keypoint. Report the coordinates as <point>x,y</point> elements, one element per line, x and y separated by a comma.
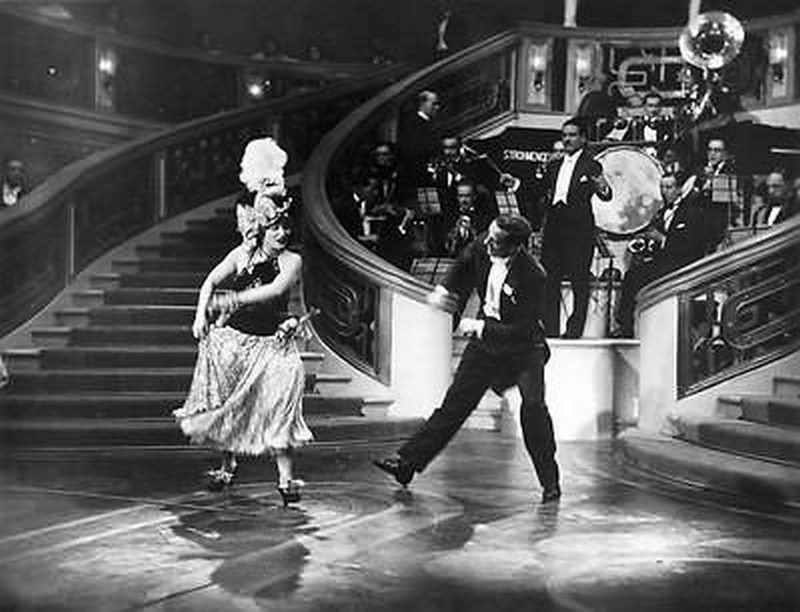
<point>99,202</point>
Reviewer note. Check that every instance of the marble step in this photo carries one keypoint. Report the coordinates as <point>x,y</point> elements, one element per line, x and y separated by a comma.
<point>686,464</point>
<point>98,404</point>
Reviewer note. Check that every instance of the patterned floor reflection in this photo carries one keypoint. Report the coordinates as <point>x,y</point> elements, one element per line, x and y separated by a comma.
<point>82,533</point>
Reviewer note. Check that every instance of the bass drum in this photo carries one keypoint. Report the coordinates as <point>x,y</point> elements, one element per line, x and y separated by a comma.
<point>635,178</point>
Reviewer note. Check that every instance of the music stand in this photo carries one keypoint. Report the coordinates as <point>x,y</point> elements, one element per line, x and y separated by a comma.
<point>428,201</point>
<point>725,191</point>
<point>431,269</point>
<point>507,203</point>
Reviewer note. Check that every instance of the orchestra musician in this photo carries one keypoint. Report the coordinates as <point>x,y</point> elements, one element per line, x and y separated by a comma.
<point>680,228</point>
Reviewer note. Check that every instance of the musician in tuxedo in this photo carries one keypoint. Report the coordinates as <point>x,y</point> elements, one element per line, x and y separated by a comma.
<point>777,204</point>
<point>719,163</point>
<point>507,347</point>
<point>682,228</point>
<point>569,230</point>
<point>417,144</point>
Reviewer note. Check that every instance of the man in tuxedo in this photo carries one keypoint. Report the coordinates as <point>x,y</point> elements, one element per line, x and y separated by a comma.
<point>718,164</point>
<point>507,347</point>
<point>778,203</point>
<point>417,144</point>
<point>568,233</point>
<point>681,224</point>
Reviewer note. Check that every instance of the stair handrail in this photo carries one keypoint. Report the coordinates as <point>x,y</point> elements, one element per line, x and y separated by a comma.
<point>98,202</point>
<point>731,312</point>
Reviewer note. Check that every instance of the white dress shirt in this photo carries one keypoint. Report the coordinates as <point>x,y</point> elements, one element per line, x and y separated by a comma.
<point>494,287</point>
<point>565,176</point>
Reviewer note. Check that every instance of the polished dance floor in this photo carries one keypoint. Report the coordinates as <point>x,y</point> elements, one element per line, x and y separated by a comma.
<point>134,532</point>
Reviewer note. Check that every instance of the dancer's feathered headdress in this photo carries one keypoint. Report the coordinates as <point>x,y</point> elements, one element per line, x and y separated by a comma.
<point>262,174</point>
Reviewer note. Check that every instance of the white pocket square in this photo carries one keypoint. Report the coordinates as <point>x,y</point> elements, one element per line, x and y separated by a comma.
<point>583,179</point>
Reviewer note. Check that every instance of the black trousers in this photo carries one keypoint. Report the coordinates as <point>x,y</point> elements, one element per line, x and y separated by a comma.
<point>567,254</point>
<point>477,372</point>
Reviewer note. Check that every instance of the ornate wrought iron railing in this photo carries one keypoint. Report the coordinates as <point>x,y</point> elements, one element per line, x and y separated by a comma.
<point>737,310</point>
<point>99,202</point>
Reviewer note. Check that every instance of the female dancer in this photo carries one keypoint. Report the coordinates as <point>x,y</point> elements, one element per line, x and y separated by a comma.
<point>246,394</point>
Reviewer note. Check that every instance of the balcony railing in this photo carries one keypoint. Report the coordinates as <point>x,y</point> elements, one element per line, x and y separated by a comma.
<point>78,66</point>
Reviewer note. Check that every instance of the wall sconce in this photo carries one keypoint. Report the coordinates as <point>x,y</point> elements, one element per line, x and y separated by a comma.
<point>538,64</point>
<point>778,55</point>
<point>583,66</point>
<point>107,64</point>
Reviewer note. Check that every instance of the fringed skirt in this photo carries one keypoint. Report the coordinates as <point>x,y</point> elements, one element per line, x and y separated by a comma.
<point>246,394</point>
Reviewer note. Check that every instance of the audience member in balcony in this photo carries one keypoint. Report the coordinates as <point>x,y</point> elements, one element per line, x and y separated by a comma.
<point>270,49</point>
<point>568,233</point>
<point>246,394</point>
<point>680,228</point>
<point>15,181</point>
<point>417,143</point>
<point>506,347</point>
<point>777,202</point>
<point>314,53</point>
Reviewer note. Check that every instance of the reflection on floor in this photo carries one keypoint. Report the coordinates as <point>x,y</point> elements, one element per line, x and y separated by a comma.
<point>139,533</point>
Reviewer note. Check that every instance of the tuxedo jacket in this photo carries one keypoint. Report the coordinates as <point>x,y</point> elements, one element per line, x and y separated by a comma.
<point>519,329</point>
<point>577,213</point>
<point>417,143</point>
<point>687,237</point>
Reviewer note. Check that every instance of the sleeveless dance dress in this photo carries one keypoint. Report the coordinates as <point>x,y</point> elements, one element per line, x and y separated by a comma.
<point>247,390</point>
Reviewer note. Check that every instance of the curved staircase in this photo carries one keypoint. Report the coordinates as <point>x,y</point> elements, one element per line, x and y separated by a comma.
<point>119,356</point>
<point>750,448</point>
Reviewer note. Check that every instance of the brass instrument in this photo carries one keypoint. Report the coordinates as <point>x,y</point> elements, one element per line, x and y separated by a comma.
<point>712,40</point>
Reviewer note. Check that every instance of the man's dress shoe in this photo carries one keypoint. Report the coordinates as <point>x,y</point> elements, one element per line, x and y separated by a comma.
<point>551,494</point>
<point>402,470</point>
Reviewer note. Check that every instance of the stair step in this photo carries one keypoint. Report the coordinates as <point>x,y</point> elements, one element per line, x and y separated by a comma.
<point>183,250</point>
<point>752,439</point>
<point>767,409</point>
<point>123,380</point>
<point>68,405</point>
<point>760,482</point>
<point>69,358</point>
<point>786,385</point>
<point>89,298</point>
<point>104,335</point>
<point>155,296</point>
<point>141,314</point>
<point>185,280</point>
<point>163,264</point>
<point>164,431</point>
<point>217,235</point>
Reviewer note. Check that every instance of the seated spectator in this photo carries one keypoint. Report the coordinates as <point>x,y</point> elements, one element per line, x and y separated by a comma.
<point>270,49</point>
<point>680,223</point>
<point>777,202</point>
<point>314,53</point>
<point>15,182</point>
